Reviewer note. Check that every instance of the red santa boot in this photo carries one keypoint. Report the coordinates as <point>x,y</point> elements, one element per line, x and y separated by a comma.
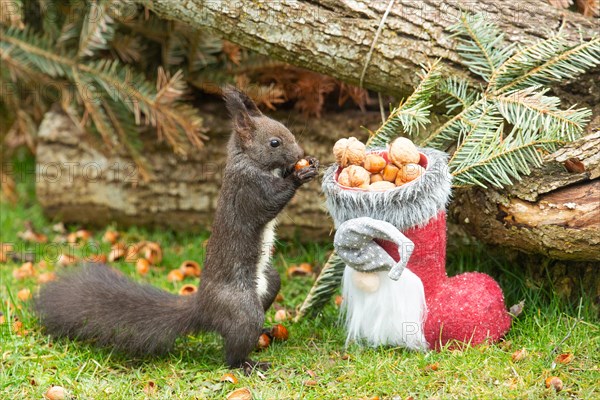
<point>467,308</point>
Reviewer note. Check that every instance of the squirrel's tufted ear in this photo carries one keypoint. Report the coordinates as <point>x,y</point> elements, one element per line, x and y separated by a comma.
<point>238,101</point>
<point>242,109</point>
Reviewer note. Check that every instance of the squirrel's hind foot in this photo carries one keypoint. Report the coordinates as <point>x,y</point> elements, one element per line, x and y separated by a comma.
<point>250,365</point>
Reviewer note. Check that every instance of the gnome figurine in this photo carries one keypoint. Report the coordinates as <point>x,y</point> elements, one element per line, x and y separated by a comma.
<point>395,287</point>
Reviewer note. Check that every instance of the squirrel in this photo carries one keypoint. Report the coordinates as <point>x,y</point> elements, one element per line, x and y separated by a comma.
<point>238,285</point>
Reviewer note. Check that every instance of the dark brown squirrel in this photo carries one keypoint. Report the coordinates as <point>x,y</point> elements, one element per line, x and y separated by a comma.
<point>238,282</point>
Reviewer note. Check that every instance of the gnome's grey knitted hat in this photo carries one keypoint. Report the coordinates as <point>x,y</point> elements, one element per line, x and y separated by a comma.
<point>354,243</point>
<point>407,206</point>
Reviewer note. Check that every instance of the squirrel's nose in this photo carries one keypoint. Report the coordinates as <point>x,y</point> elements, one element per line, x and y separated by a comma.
<point>300,153</point>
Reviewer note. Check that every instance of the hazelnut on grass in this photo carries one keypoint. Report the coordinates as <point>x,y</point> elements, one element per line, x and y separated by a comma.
<point>46,277</point>
<point>263,341</point>
<point>554,382</point>
<point>110,237</point>
<point>349,151</point>
<point>188,289</point>
<point>229,377</point>
<point>390,172</point>
<point>56,393</point>
<point>142,266</point>
<point>403,151</point>
<point>354,176</point>
<point>175,276</point>
<point>281,315</point>
<point>409,172</point>
<point>240,394</point>
<point>153,252</point>
<point>374,163</point>
<point>279,332</point>
<point>190,268</point>
<point>381,186</point>
<point>24,294</point>
<point>24,271</point>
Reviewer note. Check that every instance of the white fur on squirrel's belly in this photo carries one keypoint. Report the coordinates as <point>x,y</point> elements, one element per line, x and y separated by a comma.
<point>392,315</point>
<point>268,239</point>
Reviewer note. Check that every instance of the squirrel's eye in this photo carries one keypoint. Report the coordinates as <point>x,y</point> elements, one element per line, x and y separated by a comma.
<point>275,142</point>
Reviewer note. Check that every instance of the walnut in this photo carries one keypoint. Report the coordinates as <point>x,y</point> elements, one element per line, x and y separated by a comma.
<point>374,163</point>
<point>409,172</point>
<point>349,152</point>
<point>381,186</point>
<point>403,151</point>
<point>354,176</point>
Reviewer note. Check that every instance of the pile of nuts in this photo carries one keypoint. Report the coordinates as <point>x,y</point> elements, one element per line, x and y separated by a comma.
<point>371,171</point>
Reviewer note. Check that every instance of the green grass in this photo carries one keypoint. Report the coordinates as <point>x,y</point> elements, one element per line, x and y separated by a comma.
<point>31,363</point>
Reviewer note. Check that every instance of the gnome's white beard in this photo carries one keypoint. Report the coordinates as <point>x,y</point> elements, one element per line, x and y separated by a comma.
<point>392,315</point>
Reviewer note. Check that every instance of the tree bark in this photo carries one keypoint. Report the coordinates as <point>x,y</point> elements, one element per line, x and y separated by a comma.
<point>334,36</point>
<point>554,212</point>
<point>77,182</point>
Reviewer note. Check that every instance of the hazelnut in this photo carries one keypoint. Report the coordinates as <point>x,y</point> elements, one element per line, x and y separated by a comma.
<point>152,252</point>
<point>263,341</point>
<point>279,332</point>
<point>24,294</point>
<point>46,277</point>
<point>95,258</point>
<point>349,152</point>
<point>354,176</point>
<point>66,259</point>
<point>303,269</point>
<point>190,268</point>
<point>240,394</point>
<point>117,251</point>
<point>554,382</point>
<point>229,378</point>
<point>374,163</point>
<point>175,276</point>
<point>564,358</point>
<point>376,178</point>
<point>142,266</point>
<point>519,355</point>
<point>381,186</point>
<point>110,237</point>
<point>56,393</point>
<point>409,172</point>
<point>301,164</point>
<point>280,315</point>
<point>338,300</point>
<point>403,151</point>
<point>187,290</point>
<point>389,173</point>
<point>24,271</point>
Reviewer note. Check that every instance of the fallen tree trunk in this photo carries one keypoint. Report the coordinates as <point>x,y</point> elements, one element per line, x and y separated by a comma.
<point>554,212</point>
<point>76,182</point>
<point>334,37</point>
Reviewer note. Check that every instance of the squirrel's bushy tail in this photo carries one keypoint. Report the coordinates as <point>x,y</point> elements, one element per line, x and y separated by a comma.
<point>98,303</point>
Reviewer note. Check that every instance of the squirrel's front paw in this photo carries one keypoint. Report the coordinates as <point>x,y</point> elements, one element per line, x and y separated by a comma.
<point>306,174</point>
